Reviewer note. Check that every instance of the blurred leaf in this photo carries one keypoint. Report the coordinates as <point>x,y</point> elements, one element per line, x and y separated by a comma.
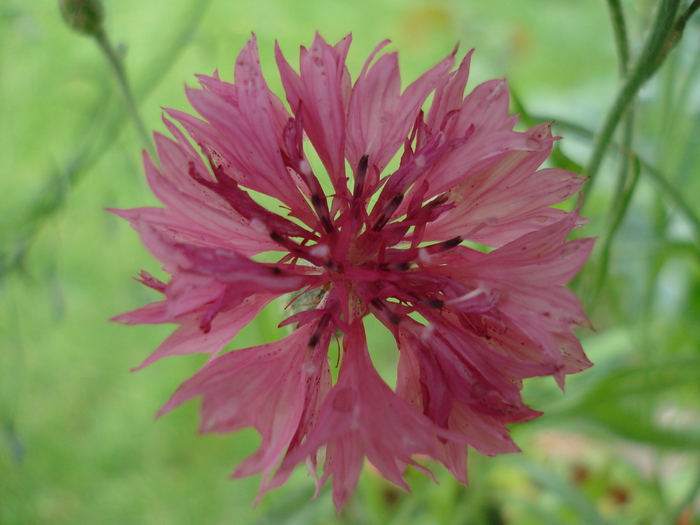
<point>586,510</point>
<point>621,400</point>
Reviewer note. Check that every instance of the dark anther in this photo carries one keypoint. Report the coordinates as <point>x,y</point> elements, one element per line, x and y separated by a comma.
<point>437,201</point>
<point>360,176</point>
<point>277,237</point>
<point>436,303</point>
<point>327,224</point>
<point>396,201</point>
<point>330,264</point>
<point>451,243</point>
<point>320,327</point>
<point>313,340</point>
<point>322,212</point>
<point>276,270</point>
<point>378,304</point>
<point>388,211</point>
<point>393,318</point>
<point>403,266</point>
<point>400,267</point>
<point>362,167</point>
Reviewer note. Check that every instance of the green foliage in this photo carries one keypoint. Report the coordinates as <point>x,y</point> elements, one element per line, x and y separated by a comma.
<point>78,444</point>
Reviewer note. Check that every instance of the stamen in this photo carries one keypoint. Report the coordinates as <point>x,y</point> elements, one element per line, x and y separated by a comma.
<point>360,176</point>
<point>402,266</point>
<point>437,201</point>
<point>388,212</point>
<point>316,336</point>
<point>277,238</point>
<point>446,245</point>
<point>321,209</point>
<point>427,331</point>
<point>467,296</point>
<point>320,250</point>
<point>326,223</point>
<point>396,200</point>
<point>313,340</point>
<point>305,167</point>
<point>362,166</point>
<point>424,256</point>
<point>390,316</point>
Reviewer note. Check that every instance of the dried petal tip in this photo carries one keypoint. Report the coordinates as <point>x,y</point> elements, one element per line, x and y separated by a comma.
<point>83,16</point>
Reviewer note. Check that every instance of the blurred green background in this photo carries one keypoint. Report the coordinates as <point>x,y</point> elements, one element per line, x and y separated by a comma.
<point>78,444</point>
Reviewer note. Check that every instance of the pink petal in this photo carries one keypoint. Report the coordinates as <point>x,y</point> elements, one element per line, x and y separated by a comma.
<point>449,94</point>
<point>506,199</point>
<point>189,339</point>
<point>320,93</point>
<point>200,229</point>
<point>379,117</point>
<point>263,386</point>
<point>363,416</point>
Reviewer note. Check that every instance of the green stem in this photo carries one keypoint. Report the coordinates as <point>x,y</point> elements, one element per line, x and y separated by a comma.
<point>658,45</point>
<point>625,187</point>
<point>685,16</point>
<point>614,226</point>
<point>116,63</point>
<point>620,31</point>
<point>623,196</point>
<point>675,197</point>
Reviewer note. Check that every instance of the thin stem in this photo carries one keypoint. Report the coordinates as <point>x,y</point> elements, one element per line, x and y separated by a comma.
<point>685,16</point>
<point>684,169</point>
<point>620,31</point>
<point>675,197</point>
<point>625,186</point>
<point>658,45</point>
<point>618,214</point>
<point>116,63</point>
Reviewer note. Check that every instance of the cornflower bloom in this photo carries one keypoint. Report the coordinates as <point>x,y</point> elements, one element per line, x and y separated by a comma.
<point>469,323</point>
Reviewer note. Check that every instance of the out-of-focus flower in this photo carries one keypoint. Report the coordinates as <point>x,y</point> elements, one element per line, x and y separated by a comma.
<point>83,16</point>
<point>470,323</point>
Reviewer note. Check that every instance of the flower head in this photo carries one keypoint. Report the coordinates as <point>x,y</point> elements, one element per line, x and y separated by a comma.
<point>363,239</point>
<point>83,16</point>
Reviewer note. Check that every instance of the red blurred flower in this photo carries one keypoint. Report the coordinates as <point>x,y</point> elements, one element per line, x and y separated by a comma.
<point>469,324</point>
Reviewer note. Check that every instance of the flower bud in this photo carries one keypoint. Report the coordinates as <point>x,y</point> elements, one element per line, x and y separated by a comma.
<point>83,16</point>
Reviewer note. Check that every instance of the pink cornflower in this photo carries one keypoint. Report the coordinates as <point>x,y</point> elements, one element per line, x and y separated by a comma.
<point>469,323</point>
